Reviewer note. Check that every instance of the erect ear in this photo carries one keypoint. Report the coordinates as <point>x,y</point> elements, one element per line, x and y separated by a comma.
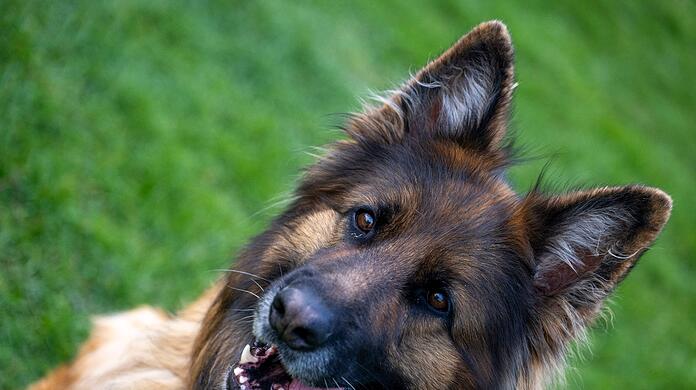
<point>464,95</point>
<point>586,242</point>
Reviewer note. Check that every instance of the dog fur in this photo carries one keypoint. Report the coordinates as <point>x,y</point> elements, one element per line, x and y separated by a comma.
<point>527,274</point>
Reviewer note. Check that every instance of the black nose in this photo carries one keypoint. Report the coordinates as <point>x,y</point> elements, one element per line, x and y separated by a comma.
<point>300,317</point>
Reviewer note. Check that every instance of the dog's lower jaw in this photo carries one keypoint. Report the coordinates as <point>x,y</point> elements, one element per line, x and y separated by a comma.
<point>260,368</point>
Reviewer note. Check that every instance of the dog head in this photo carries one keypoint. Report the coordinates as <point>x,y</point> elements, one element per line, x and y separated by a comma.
<point>407,261</point>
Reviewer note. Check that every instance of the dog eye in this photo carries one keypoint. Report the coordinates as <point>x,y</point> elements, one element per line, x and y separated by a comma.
<point>364,220</point>
<point>438,300</point>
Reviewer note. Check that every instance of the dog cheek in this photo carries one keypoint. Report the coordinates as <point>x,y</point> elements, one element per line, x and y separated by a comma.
<point>309,233</point>
<point>434,354</point>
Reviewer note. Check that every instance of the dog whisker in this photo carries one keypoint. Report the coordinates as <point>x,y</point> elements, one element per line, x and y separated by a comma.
<point>257,283</point>
<point>244,273</point>
<point>276,202</point>
<point>347,382</point>
<point>243,290</point>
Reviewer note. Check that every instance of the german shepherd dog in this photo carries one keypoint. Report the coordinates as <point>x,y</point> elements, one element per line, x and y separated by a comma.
<point>405,261</point>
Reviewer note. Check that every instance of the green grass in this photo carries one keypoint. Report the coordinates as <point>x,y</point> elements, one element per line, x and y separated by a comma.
<point>140,140</point>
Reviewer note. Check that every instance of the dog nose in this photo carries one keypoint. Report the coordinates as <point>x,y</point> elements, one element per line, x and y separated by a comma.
<point>301,319</point>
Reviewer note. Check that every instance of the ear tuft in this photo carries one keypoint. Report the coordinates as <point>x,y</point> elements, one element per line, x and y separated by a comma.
<point>468,88</point>
<point>463,95</point>
<point>593,238</point>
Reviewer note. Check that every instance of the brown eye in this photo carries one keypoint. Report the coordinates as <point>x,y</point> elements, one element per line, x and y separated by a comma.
<point>438,300</point>
<point>365,220</point>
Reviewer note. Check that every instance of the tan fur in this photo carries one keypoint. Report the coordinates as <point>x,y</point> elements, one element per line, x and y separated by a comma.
<point>144,348</point>
<point>569,251</point>
<point>311,233</point>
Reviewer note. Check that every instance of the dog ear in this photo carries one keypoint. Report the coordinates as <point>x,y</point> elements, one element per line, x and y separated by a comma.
<point>586,242</point>
<point>464,95</point>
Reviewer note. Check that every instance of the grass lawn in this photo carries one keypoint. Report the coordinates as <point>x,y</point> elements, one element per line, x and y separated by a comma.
<point>143,142</point>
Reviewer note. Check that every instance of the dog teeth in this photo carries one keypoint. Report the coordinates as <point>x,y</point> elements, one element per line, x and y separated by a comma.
<point>247,357</point>
<point>243,379</point>
<point>238,371</point>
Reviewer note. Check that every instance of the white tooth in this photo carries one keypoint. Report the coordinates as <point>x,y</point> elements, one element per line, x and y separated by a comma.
<point>238,371</point>
<point>243,379</point>
<point>247,357</point>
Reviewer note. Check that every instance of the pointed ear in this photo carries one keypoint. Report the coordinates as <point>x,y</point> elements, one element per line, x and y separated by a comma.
<point>464,95</point>
<point>586,242</point>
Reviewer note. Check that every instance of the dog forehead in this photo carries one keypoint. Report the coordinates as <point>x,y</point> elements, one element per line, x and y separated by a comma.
<point>436,166</point>
<point>431,191</point>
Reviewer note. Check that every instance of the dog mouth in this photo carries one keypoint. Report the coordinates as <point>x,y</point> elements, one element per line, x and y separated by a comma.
<point>260,368</point>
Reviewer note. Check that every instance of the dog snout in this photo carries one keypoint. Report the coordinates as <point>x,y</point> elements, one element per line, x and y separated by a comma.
<point>300,318</point>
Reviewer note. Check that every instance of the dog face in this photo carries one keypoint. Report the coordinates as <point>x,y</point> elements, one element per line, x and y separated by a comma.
<point>407,261</point>
<point>413,258</point>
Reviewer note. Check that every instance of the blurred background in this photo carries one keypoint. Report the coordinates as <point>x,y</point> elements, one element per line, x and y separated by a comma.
<point>143,142</point>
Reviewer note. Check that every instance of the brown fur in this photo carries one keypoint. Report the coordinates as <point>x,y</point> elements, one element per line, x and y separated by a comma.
<point>144,348</point>
<point>525,275</point>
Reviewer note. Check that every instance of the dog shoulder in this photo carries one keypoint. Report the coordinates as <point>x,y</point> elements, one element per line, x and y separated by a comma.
<point>140,348</point>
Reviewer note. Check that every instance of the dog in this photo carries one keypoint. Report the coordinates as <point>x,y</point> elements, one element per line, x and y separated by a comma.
<point>405,260</point>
